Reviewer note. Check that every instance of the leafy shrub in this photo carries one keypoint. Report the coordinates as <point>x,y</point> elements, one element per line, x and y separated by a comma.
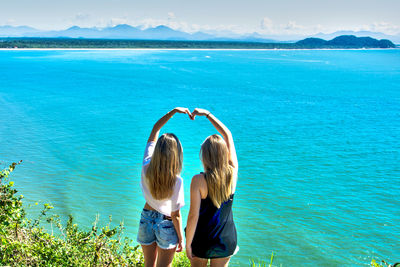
<point>25,242</point>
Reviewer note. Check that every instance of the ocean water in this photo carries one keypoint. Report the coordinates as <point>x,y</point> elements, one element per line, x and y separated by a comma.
<point>317,134</point>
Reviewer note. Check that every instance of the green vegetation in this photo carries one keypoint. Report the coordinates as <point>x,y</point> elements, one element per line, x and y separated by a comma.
<point>384,264</point>
<point>309,43</point>
<point>346,41</point>
<point>261,263</point>
<point>25,242</point>
<point>110,43</point>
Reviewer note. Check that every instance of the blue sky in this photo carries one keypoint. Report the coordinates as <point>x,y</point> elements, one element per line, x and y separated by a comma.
<point>268,17</point>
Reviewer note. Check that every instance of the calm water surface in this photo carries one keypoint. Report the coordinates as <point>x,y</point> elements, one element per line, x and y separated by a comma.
<point>317,135</point>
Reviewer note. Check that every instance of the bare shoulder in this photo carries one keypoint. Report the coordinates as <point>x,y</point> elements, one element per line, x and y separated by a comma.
<point>199,183</point>
<point>198,180</point>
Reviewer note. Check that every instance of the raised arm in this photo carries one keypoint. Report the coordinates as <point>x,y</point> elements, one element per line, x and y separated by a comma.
<point>223,130</point>
<point>163,120</point>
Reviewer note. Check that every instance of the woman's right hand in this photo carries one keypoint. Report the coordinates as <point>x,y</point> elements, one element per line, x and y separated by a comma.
<point>183,110</point>
<point>200,112</point>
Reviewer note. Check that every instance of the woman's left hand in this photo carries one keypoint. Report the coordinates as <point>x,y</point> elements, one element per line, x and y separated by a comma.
<point>189,253</point>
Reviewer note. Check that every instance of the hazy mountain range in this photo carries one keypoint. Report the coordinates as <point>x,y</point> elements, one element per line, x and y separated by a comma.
<point>124,31</point>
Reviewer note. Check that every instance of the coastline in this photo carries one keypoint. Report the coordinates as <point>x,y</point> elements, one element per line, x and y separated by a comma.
<point>192,49</point>
<point>342,42</point>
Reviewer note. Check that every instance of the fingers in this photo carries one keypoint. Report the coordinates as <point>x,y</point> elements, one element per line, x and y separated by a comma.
<point>179,248</point>
<point>187,111</point>
<point>195,112</point>
<point>199,112</point>
<point>192,115</point>
<point>182,110</point>
<point>189,252</point>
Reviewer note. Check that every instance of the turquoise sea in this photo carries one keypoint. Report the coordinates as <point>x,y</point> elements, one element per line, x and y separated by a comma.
<point>317,134</point>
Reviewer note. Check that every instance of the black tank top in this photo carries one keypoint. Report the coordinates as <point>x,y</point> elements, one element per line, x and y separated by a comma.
<point>215,235</point>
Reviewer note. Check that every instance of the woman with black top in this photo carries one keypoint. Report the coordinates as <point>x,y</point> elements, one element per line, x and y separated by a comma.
<point>210,231</point>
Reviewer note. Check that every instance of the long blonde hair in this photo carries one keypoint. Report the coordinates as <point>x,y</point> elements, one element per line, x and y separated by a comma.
<point>218,173</point>
<point>165,165</point>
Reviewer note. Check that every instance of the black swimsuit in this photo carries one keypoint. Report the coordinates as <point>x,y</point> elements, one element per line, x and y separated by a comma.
<point>215,235</point>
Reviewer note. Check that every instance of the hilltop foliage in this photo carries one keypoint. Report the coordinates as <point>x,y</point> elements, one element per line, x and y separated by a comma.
<point>344,41</point>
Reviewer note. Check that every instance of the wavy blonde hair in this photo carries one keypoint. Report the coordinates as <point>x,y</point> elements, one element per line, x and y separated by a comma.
<point>165,165</point>
<point>218,173</point>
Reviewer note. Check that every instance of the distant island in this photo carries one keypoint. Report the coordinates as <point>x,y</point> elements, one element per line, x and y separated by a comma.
<point>346,41</point>
<point>340,42</point>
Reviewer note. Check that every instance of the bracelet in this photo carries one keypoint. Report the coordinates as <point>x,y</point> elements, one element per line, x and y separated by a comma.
<point>208,114</point>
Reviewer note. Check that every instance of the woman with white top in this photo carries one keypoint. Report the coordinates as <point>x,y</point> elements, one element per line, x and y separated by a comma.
<point>160,231</point>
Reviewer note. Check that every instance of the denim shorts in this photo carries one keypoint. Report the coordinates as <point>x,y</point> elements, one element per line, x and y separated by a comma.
<point>154,228</point>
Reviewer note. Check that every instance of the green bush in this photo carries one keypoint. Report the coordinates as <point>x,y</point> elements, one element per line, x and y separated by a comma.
<point>25,242</point>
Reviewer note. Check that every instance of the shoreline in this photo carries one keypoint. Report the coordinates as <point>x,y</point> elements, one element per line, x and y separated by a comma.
<point>343,42</point>
<point>192,49</point>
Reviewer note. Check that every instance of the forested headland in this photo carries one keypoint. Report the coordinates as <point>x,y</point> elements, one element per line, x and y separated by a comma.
<point>340,42</point>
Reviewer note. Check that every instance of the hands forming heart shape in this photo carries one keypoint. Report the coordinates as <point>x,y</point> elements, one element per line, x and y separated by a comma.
<point>192,115</point>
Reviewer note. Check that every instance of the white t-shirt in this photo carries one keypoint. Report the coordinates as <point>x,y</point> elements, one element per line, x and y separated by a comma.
<point>164,206</point>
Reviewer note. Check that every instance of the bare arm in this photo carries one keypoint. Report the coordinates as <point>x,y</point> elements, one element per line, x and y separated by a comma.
<point>177,221</point>
<point>163,120</point>
<point>193,217</point>
<point>223,130</point>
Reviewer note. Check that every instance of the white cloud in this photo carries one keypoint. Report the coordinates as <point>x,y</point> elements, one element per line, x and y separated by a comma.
<point>382,27</point>
<point>116,21</point>
<point>11,22</point>
<point>184,26</point>
<point>171,15</point>
<point>317,28</point>
<point>150,23</point>
<point>292,26</point>
<point>265,27</point>
<point>385,28</point>
<point>266,24</point>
